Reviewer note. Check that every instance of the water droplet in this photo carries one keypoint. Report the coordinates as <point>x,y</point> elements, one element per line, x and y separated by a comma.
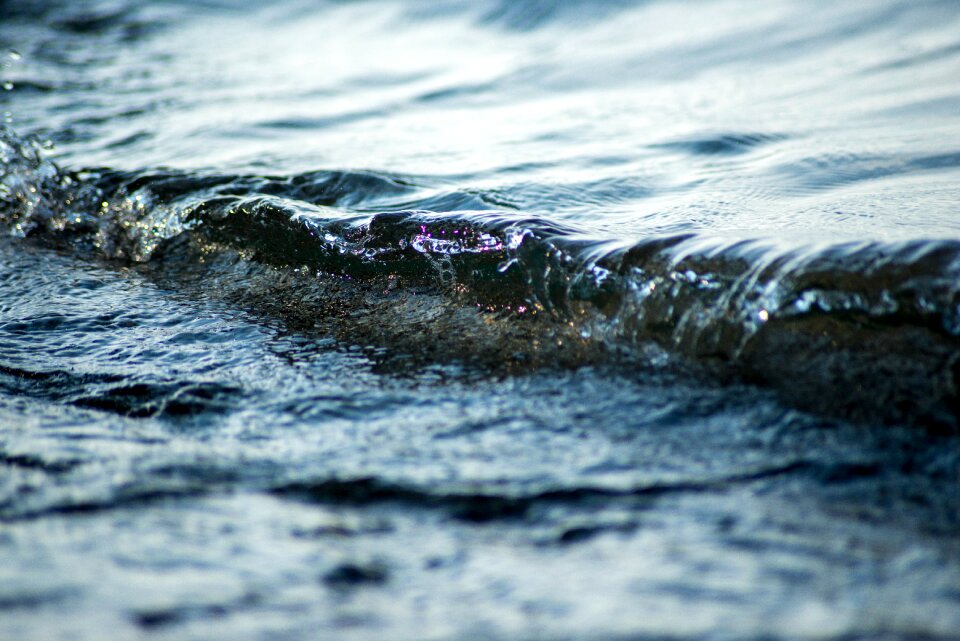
<point>764,315</point>
<point>8,86</point>
<point>15,55</point>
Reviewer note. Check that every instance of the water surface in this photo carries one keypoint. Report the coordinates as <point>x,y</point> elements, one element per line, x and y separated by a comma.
<point>489,320</point>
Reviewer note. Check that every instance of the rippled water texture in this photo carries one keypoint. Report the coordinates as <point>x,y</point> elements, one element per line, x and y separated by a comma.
<point>502,320</point>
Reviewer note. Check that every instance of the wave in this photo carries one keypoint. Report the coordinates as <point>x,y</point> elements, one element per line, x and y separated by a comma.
<point>868,330</point>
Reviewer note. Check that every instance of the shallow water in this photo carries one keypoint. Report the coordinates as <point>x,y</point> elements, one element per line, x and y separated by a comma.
<point>506,320</point>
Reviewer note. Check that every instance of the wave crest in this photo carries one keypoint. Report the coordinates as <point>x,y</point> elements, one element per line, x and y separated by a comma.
<point>868,330</point>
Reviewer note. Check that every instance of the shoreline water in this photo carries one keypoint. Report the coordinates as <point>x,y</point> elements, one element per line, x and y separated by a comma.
<point>499,320</point>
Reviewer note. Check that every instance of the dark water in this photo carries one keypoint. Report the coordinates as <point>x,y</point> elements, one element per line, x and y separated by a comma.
<point>480,320</point>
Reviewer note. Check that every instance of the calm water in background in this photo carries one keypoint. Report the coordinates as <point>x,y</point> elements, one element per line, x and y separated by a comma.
<point>480,320</point>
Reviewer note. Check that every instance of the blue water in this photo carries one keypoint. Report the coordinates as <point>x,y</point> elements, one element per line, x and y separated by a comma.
<point>479,320</point>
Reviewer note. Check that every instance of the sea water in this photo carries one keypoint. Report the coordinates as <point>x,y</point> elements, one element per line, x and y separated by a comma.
<point>502,319</point>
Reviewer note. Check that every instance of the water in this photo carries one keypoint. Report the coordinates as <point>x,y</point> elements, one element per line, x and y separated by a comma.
<point>488,320</point>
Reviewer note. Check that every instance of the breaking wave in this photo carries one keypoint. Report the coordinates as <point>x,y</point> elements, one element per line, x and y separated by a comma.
<point>864,330</point>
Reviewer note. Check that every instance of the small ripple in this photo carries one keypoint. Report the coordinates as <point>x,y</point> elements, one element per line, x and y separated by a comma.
<point>52,384</point>
<point>129,140</point>
<point>345,407</point>
<point>482,507</point>
<point>123,497</point>
<point>348,576</point>
<point>444,201</point>
<point>34,462</point>
<point>529,15</point>
<point>827,171</point>
<point>927,56</point>
<point>161,618</point>
<point>730,144</point>
<point>587,196</point>
<point>33,599</point>
<point>307,123</point>
<point>167,400</point>
<point>452,94</point>
<point>26,86</point>
<point>122,23</point>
